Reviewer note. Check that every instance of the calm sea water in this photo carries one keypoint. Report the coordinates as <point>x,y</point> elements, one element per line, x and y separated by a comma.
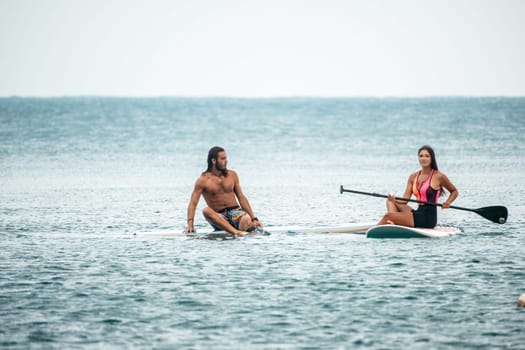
<point>80,175</point>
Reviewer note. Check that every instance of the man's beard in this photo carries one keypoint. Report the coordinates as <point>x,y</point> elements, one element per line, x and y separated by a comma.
<point>224,170</point>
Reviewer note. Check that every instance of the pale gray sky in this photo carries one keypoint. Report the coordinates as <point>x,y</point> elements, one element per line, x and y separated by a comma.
<point>262,47</point>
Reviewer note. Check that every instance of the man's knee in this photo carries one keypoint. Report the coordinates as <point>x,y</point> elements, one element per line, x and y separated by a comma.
<point>245,222</point>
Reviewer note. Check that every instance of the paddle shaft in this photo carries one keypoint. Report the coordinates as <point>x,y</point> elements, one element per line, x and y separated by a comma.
<point>497,214</point>
<point>403,199</point>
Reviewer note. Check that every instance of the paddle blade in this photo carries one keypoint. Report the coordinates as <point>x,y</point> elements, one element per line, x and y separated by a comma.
<point>497,214</point>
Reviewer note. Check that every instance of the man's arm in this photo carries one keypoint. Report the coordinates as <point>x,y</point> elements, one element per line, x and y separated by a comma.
<point>194,200</point>
<point>243,201</point>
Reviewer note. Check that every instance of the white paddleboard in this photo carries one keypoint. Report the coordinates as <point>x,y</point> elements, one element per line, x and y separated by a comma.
<point>210,234</point>
<point>395,231</point>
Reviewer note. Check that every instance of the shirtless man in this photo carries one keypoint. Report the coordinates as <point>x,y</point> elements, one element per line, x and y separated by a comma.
<point>228,208</point>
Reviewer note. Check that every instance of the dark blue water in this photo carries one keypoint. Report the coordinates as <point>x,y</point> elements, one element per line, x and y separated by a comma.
<point>80,175</point>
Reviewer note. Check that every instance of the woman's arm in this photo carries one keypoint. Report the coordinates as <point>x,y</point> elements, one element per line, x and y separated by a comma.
<point>449,186</point>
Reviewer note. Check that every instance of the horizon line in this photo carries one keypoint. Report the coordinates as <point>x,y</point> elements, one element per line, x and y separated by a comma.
<point>14,96</point>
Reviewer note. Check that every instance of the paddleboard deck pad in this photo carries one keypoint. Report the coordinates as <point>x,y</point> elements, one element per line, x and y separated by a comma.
<point>222,235</point>
<point>210,234</point>
<point>395,231</point>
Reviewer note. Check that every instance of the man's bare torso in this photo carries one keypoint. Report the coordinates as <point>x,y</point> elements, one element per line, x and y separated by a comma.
<point>219,191</point>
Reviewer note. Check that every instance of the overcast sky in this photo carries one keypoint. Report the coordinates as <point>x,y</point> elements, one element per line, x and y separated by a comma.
<point>262,47</point>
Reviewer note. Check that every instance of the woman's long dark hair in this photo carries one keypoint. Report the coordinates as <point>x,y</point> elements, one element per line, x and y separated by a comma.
<point>213,153</point>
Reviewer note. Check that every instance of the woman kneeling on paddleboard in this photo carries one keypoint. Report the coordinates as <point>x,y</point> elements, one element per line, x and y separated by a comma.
<point>426,185</point>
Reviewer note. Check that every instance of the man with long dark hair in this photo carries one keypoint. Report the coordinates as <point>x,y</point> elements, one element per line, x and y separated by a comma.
<point>228,208</point>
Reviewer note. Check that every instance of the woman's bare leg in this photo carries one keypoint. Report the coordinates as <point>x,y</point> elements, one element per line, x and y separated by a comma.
<point>393,207</point>
<point>399,218</point>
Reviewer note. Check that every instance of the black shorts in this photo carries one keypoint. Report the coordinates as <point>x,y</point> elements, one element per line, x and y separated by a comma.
<point>425,216</point>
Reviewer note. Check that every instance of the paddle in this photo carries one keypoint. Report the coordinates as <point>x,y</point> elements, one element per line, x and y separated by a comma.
<point>497,214</point>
